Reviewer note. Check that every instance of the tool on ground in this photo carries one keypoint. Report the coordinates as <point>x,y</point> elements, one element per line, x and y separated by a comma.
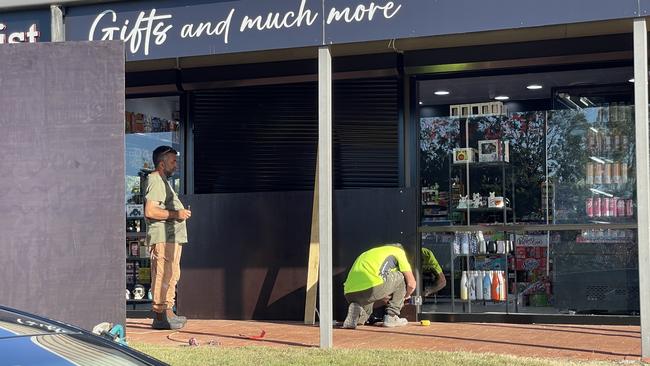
<point>113,332</point>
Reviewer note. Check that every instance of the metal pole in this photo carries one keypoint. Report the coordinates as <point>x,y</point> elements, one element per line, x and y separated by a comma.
<point>642,175</point>
<point>57,28</point>
<point>326,314</point>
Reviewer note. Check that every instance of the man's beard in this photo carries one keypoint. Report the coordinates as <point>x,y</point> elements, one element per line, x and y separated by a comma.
<point>169,173</point>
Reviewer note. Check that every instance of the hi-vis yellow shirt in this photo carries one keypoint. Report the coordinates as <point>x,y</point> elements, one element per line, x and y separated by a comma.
<point>372,266</point>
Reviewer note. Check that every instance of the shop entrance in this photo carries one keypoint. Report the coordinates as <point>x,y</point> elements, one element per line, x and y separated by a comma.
<point>528,194</point>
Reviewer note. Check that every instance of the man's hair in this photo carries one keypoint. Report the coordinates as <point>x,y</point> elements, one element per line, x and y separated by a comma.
<point>160,152</point>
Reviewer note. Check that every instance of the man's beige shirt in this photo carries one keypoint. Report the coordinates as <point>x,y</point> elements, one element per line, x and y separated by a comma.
<point>164,231</point>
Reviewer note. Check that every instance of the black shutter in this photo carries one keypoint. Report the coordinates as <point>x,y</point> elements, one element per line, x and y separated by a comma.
<point>264,138</point>
<point>366,134</point>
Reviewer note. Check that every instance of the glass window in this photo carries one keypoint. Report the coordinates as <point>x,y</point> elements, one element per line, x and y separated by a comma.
<point>506,163</point>
<point>149,123</point>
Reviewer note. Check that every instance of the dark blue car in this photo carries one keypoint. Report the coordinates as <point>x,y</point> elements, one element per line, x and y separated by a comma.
<point>30,340</point>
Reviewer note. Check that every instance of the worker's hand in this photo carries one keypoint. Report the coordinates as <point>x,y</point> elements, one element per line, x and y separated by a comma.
<point>428,291</point>
<point>386,300</point>
<point>184,214</point>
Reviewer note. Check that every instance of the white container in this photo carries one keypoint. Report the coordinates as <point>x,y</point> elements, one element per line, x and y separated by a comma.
<point>479,284</point>
<point>464,293</point>
<point>471,282</point>
<point>487,285</point>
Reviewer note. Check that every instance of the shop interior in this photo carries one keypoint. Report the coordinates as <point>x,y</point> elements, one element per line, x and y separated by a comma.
<point>149,123</point>
<point>528,191</point>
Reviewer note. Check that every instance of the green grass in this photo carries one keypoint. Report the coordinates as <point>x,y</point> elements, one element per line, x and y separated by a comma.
<point>262,356</point>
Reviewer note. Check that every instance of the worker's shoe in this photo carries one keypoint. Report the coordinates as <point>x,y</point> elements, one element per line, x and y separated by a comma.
<point>363,317</point>
<point>391,321</point>
<point>354,313</point>
<point>171,315</point>
<point>164,322</point>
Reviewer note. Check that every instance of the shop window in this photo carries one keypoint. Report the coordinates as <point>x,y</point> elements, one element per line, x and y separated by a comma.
<point>504,164</point>
<point>149,123</point>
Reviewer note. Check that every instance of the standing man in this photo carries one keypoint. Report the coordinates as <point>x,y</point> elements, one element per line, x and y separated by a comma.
<point>381,273</point>
<point>166,235</point>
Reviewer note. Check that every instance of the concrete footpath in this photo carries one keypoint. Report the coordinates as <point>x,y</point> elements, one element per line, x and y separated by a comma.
<point>580,342</point>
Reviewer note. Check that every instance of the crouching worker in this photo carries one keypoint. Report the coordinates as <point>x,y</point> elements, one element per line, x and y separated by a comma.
<point>433,276</point>
<point>379,274</point>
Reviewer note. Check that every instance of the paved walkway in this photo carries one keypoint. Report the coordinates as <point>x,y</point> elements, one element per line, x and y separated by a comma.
<point>582,342</point>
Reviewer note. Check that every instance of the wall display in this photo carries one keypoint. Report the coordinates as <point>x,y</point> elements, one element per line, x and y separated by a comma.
<point>564,166</point>
<point>493,150</point>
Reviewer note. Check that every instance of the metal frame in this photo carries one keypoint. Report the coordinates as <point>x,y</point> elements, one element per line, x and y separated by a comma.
<point>325,192</point>
<point>642,174</point>
<point>531,318</point>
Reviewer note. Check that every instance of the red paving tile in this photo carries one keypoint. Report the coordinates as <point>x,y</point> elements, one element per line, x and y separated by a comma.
<point>583,342</point>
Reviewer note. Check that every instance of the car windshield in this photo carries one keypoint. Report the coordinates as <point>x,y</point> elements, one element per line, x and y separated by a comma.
<point>16,325</point>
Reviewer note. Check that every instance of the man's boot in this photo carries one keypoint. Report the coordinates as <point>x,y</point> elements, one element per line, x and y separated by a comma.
<point>178,318</point>
<point>164,322</point>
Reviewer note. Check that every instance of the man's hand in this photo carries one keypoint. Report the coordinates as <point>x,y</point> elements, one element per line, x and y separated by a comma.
<point>184,214</point>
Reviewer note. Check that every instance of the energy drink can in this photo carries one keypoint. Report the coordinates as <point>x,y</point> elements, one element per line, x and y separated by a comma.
<point>590,206</point>
<point>608,143</point>
<point>598,173</point>
<point>629,208</point>
<point>616,173</point>
<point>590,173</point>
<point>607,174</point>
<point>612,206</point>
<point>620,207</point>
<point>597,207</point>
<point>604,207</point>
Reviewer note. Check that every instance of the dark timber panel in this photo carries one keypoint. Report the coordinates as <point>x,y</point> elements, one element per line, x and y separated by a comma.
<point>247,255</point>
<point>62,189</point>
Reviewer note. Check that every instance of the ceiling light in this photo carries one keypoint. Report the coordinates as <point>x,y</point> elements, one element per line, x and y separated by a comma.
<point>597,160</point>
<point>420,103</point>
<point>631,80</point>
<point>502,97</point>
<point>441,92</point>
<point>534,87</point>
<point>597,191</point>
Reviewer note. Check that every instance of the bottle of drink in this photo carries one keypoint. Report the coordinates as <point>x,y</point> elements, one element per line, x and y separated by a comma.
<point>502,293</point>
<point>464,293</point>
<point>487,285</point>
<point>479,285</point>
<point>496,289</point>
<point>472,285</point>
<point>464,248</point>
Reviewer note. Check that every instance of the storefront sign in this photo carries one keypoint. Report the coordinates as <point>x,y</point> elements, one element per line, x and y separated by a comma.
<point>173,28</point>
<point>25,27</point>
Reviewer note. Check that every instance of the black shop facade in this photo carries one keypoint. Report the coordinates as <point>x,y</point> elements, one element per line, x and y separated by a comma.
<point>503,144</point>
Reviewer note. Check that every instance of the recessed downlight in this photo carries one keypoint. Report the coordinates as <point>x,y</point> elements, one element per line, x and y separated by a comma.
<point>631,80</point>
<point>420,103</point>
<point>534,87</point>
<point>441,92</point>
<point>502,97</point>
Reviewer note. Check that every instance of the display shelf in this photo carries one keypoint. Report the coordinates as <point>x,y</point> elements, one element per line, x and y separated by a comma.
<point>138,301</point>
<point>482,164</point>
<point>133,258</point>
<point>483,209</point>
<point>131,235</point>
